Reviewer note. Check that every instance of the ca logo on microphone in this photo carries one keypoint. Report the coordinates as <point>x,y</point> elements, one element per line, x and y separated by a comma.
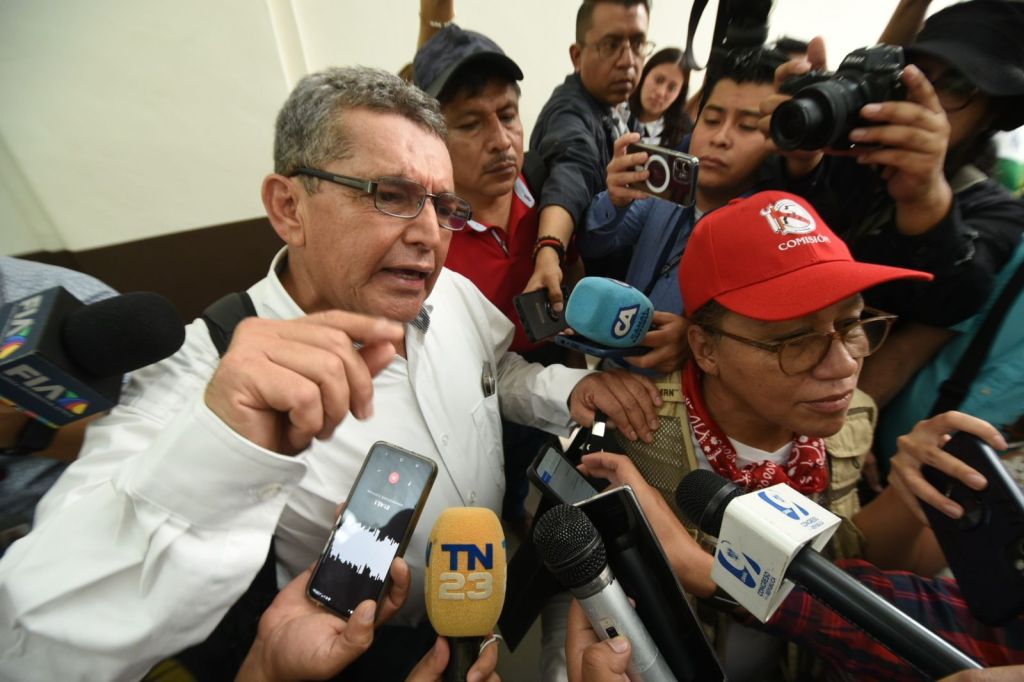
<point>624,320</point>
<point>738,563</point>
<point>790,509</point>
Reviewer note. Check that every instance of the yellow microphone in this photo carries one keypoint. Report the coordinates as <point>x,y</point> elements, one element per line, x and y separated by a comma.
<point>465,582</point>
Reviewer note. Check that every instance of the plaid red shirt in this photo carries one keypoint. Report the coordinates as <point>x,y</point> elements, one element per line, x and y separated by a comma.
<point>935,603</point>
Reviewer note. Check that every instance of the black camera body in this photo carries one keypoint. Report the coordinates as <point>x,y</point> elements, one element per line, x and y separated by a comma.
<point>826,106</point>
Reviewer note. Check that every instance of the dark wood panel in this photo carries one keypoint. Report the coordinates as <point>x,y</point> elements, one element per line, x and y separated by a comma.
<point>191,268</point>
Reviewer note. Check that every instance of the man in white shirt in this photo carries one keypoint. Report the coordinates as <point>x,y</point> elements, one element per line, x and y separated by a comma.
<point>361,336</point>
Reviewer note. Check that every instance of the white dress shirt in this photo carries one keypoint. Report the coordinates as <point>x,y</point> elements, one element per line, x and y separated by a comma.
<point>146,541</point>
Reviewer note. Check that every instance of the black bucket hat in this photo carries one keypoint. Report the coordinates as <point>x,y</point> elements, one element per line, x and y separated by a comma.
<point>983,40</point>
<point>453,48</point>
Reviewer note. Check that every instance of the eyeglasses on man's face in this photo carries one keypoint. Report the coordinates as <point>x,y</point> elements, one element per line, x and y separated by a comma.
<point>402,197</point>
<point>611,46</point>
<point>804,352</point>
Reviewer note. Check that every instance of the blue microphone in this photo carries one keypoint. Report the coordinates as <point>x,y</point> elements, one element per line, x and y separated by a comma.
<point>609,318</point>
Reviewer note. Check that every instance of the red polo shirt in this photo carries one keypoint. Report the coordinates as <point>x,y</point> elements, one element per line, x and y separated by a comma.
<point>499,260</point>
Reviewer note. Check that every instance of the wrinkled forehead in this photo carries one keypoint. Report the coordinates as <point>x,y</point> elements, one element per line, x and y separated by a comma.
<point>388,144</point>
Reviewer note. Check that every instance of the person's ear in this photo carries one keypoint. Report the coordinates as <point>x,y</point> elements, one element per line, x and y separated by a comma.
<point>281,200</point>
<point>575,54</point>
<point>704,349</point>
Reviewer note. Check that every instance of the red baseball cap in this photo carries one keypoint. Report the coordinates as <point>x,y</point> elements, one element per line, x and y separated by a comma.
<point>771,257</point>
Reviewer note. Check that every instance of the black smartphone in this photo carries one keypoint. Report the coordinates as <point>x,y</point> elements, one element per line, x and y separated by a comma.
<point>539,320</point>
<point>380,514</point>
<point>639,564</point>
<point>599,350</point>
<point>672,175</point>
<point>985,547</point>
<point>558,478</point>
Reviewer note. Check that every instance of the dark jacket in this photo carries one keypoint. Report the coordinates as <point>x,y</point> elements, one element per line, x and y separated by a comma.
<point>965,250</point>
<point>574,135</point>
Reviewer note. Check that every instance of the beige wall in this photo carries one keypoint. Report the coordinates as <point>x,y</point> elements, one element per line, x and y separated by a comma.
<point>122,120</point>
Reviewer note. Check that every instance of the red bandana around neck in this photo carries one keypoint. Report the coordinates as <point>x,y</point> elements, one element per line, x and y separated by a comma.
<point>806,470</point>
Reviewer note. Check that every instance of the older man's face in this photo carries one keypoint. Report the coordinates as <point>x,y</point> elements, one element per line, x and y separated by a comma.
<point>358,259</point>
<point>485,138</point>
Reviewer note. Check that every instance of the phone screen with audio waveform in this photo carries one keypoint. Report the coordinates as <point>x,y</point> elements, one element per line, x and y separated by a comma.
<point>374,528</point>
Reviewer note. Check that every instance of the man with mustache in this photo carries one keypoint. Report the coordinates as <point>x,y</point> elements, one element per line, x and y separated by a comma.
<point>477,87</point>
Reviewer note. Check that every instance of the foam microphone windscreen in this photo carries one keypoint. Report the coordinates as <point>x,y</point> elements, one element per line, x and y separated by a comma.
<point>123,333</point>
<point>609,312</point>
<point>702,496</point>
<point>465,572</point>
<point>569,545</point>
<point>61,361</point>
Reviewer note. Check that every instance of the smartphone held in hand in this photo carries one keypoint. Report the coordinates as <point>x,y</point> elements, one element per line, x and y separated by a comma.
<point>375,526</point>
<point>672,175</point>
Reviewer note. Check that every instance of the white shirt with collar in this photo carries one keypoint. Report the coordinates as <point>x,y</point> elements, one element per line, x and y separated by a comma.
<point>147,539</point>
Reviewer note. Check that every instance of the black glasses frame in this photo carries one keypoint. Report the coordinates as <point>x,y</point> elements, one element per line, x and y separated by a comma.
<point>368,186</point>
<point>609,47</point>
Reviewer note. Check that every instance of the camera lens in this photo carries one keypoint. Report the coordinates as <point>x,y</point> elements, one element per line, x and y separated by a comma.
<point>680,171</point>
<point>657,178</point>
<point>818,116</point>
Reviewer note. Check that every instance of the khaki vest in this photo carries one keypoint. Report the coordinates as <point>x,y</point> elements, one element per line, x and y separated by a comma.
<point>671,456</point>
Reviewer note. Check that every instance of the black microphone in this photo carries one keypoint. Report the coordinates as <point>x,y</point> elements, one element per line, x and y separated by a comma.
<point>571,548</point>
<point>61,360</point>
<point>703,496</point>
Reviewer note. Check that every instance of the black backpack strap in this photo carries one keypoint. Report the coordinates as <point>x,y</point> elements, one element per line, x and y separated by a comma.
<point>954,389</point>
<point>220,655</point>
<point>224,314</point>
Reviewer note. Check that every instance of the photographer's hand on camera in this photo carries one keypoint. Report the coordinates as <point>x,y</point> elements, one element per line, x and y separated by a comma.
<point>911,138</point>
<point>799,163</point>
<point>622,172</point>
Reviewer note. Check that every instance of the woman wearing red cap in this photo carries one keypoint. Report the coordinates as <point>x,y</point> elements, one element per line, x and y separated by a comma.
<point>778,334</point>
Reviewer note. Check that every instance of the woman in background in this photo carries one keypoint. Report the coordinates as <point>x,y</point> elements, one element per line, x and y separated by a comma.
<point>658,100</point>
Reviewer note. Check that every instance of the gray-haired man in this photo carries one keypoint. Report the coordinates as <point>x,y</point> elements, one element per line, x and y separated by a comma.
<point>361,336</point>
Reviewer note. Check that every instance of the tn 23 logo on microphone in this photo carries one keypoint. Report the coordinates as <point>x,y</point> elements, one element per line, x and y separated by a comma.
<point>456,585</point>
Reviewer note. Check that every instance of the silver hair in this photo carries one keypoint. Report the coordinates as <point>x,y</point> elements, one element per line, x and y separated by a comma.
<point>310,128</point>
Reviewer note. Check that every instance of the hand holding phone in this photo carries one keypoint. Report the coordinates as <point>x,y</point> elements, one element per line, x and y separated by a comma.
<point>985,546</point>
<point>671,175</point>
<point>375,526</point>
<point>540,320</point>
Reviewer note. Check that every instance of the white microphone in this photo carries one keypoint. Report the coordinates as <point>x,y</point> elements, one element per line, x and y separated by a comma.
<point>752,573</point>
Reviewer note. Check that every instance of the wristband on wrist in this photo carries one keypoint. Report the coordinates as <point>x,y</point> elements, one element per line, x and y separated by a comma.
<point>552,243</point>
<point>435,23</point>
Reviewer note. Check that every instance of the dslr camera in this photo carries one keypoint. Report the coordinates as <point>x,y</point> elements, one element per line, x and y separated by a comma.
<point>826,106</point>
